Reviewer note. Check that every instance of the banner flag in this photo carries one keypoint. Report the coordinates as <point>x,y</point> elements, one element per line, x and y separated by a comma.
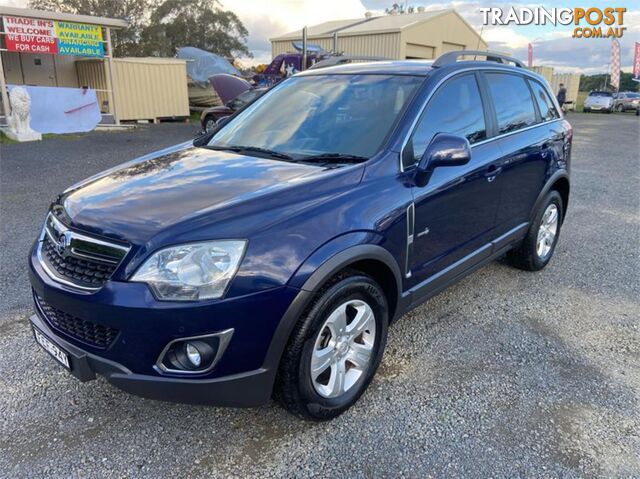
<point>615,64</point>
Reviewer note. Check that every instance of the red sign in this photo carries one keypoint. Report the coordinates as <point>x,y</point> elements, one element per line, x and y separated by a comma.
<point>30,35</point>
<point>636,61</point>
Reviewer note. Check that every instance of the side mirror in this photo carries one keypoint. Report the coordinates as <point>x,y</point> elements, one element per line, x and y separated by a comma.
<point>444,150</point>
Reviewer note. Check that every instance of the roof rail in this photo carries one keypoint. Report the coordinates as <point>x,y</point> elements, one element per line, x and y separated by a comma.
<point>341,59</point>
<point>452,57</point>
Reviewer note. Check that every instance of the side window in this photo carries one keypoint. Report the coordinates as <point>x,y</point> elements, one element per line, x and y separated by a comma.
<point>512,101</point>
<point>455,108</point>
<point>545,104</point>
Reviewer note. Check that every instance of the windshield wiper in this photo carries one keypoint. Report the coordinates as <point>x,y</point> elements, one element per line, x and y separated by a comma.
<point>251,149</point>
<point>337,157</point>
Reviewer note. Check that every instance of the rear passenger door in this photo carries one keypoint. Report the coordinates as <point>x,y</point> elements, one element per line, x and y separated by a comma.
<point>454,214</point>
<point>525,143</point>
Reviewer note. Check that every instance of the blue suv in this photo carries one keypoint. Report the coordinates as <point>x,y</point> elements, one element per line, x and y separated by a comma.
<point>268,258</point>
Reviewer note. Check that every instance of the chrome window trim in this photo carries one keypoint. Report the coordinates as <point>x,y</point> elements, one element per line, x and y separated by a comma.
<point>62,228</point>
<point>224,337</point>
<point>526,73</point>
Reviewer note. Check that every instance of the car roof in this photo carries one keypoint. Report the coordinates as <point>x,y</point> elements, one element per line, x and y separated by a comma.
<point>405,67</point>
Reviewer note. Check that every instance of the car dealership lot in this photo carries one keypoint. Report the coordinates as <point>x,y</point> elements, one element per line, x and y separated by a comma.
<point>505,373</point>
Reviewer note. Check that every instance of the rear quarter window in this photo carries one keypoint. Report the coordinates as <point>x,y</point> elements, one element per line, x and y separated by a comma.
<point>545,104</point>
<point>512,101</point>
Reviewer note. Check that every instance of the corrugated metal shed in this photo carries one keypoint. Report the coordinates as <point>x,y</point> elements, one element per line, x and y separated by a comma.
<point>422,35</point>
<point>147,88</point>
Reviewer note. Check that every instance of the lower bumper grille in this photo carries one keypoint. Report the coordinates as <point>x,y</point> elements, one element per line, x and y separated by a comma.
<point>83,330</point>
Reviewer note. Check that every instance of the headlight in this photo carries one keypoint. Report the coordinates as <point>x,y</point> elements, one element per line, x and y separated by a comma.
<point>192,271</point>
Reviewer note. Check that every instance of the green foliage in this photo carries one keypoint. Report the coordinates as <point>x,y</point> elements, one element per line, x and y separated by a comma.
<point>197,23</point>
<point>158,28</point>
<point>597,82</point>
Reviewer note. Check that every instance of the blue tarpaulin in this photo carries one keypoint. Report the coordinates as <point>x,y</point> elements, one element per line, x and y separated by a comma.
<point>201,65</point>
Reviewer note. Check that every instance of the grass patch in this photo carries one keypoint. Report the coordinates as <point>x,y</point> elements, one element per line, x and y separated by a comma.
<point>5,140</point>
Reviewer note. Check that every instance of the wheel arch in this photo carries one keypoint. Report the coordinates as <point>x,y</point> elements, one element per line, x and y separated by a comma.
<point>559,181</point>
<point>370,259</point>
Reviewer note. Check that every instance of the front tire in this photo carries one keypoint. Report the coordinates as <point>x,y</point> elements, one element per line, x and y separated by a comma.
<point>334,349</point>
<point>209,124</point>
<point>537,248</point>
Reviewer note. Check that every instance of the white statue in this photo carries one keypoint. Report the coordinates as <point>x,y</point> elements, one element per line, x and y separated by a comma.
<point>19,128</point>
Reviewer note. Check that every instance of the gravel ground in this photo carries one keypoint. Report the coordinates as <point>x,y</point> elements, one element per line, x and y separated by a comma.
<point>505,374</point>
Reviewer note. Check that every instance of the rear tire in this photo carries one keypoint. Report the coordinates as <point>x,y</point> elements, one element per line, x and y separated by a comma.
<point>537,248</point>
<point>324,333</point>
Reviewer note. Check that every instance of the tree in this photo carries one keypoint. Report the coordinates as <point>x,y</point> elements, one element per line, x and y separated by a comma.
<point>126,41</point>
<point>197,23</point>
<point>597,82</point>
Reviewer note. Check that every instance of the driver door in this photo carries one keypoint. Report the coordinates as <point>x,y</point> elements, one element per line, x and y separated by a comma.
<point>455,213</point>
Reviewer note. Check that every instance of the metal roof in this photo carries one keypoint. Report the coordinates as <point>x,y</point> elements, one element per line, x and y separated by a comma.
<point>64,17</point>
<point>366,26</point>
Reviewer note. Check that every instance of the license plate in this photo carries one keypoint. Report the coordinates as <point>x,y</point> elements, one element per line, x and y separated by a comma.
<point>55,351</point>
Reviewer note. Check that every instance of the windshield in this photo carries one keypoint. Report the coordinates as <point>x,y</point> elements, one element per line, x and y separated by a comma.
<point>323,114</point>
<point>600,93</point>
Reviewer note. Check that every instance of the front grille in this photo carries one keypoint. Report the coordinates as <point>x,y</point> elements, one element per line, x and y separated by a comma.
<point>83,330</point>
<point>83,272</point>
<point>74,258</point>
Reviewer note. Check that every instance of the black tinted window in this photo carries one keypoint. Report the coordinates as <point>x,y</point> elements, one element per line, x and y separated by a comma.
<point>512,101</point>
<point>545,104</point>
<point>455,108</point>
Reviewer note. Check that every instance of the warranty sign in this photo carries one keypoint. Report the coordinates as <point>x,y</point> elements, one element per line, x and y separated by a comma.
<point>32,35</point>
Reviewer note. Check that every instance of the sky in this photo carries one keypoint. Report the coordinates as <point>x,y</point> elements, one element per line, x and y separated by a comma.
<point>552,45</point>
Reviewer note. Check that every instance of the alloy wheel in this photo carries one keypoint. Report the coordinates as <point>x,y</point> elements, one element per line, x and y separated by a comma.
<point>547,231</point>
<point>343,348</point>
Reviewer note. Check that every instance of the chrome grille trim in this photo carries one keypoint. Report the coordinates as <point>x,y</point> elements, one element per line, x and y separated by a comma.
<point>72,244</point>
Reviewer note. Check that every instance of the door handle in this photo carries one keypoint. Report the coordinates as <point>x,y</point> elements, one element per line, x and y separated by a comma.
<point>492,172</point>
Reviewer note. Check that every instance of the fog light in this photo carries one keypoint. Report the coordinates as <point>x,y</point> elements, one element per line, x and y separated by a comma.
<point>194,355</point>
<point>191,356</point>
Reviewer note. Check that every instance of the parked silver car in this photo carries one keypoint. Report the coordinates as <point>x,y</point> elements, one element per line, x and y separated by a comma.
<point>626,100</point>
<point>599,101</point>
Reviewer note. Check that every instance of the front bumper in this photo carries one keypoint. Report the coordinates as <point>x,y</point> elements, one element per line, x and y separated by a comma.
<point>248,389</point>
<point>242,376</point>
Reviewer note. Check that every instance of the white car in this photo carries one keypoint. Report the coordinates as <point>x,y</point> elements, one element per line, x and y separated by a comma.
<point>599,101</point>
